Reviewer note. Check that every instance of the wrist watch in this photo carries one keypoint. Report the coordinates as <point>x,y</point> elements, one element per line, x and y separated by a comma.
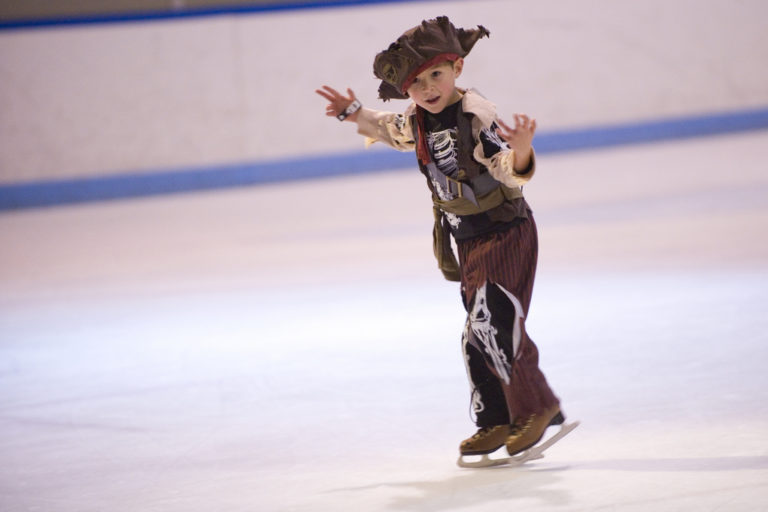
<point>351,109</point>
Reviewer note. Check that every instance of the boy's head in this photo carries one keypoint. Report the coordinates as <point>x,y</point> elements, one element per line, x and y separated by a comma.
<point>435,88</point>
<point>432,43</point>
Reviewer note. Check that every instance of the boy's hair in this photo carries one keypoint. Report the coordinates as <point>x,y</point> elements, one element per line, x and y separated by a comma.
<point>423,46</point>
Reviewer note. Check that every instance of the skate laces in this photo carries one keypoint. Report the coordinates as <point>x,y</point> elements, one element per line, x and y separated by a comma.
<point>519,427</point>
<point>483,432</point>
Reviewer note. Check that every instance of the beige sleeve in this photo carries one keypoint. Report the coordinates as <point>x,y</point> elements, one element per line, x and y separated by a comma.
<point>392,129</point>
<point>502,165</point>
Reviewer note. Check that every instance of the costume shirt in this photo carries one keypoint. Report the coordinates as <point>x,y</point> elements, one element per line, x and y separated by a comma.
<point>441,137</point>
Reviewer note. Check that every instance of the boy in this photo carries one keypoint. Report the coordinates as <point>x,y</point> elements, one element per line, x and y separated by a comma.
<point>475,165</point>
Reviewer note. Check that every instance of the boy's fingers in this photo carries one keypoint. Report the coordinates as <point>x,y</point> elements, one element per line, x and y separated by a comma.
<point>504,125</point>
<point>330,93</point>
<point>331,90</point>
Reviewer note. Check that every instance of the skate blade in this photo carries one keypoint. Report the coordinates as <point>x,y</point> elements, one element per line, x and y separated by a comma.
<point>533,453</point>
<point>482,461</point>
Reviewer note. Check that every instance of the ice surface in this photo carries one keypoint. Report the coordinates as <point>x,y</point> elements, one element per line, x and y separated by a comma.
<point>294,348</point>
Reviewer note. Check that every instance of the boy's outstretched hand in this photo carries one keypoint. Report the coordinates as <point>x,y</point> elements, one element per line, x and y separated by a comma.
<point>338,102</point>
<point>519,139</point>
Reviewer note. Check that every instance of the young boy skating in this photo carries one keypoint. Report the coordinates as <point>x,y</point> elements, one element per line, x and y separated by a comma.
<point>475,166</point>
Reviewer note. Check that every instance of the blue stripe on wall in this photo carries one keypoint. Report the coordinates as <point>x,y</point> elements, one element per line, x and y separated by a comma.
<point>50,193</point>
<point>119,186</point>
<point>186,12</point>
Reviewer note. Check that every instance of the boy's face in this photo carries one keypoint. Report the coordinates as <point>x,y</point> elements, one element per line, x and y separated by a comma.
<point>435,87</point>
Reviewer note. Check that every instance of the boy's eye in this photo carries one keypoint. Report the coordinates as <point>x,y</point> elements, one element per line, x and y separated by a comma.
<point>435,74</point>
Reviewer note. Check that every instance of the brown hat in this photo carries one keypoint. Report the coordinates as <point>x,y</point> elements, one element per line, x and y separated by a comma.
<point>419,48</point>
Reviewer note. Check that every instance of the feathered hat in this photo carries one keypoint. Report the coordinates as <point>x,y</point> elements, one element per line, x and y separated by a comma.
<point>420,48</point>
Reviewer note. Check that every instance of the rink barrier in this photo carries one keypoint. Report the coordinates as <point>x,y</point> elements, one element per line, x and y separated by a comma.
<point>16,196</point>
<point>182,12</point>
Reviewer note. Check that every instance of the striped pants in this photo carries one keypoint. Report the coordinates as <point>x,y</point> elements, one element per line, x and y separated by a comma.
<point>497,274</point>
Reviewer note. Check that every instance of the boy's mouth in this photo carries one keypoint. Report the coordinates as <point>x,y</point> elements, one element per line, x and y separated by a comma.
<point>432,101</point>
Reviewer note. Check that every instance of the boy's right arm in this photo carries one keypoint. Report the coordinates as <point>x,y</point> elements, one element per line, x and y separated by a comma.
<point>392,129</point>
<point>387,127</point>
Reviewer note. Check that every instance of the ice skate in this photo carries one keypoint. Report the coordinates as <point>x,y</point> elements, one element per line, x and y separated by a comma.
<point>524,442</point>
<point>485,440</point>
<point>527,431</point>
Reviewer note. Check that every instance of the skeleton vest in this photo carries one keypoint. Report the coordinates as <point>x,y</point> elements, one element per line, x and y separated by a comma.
<point>475,190</point>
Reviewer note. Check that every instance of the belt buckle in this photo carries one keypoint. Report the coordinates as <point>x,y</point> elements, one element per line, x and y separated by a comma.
<point>459,186</point>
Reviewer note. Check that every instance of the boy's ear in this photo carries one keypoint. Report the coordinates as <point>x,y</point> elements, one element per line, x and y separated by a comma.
<point>458,66</point>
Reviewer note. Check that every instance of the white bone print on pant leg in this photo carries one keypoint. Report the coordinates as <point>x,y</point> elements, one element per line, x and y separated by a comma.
<point>480,324</point>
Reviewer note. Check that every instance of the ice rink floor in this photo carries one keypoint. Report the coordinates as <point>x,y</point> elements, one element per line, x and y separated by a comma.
<point>294,348</point>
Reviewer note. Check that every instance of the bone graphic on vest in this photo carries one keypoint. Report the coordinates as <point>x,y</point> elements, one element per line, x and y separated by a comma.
<point>493,137</point>
<point>442,144</point>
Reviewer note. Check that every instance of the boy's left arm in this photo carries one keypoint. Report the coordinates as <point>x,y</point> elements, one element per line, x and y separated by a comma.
<point>516,166</point>
<point>519,140</point>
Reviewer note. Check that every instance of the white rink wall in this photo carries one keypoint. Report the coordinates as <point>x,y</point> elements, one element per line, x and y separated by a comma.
<point>92,100</point>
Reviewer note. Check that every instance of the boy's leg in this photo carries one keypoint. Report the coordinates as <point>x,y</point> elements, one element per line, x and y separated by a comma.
<point>497,331</point>
<point>489,404</point>
<point>497,281</point>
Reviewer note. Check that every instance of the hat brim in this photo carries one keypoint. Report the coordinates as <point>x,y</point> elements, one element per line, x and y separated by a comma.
<point>388,92</point>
